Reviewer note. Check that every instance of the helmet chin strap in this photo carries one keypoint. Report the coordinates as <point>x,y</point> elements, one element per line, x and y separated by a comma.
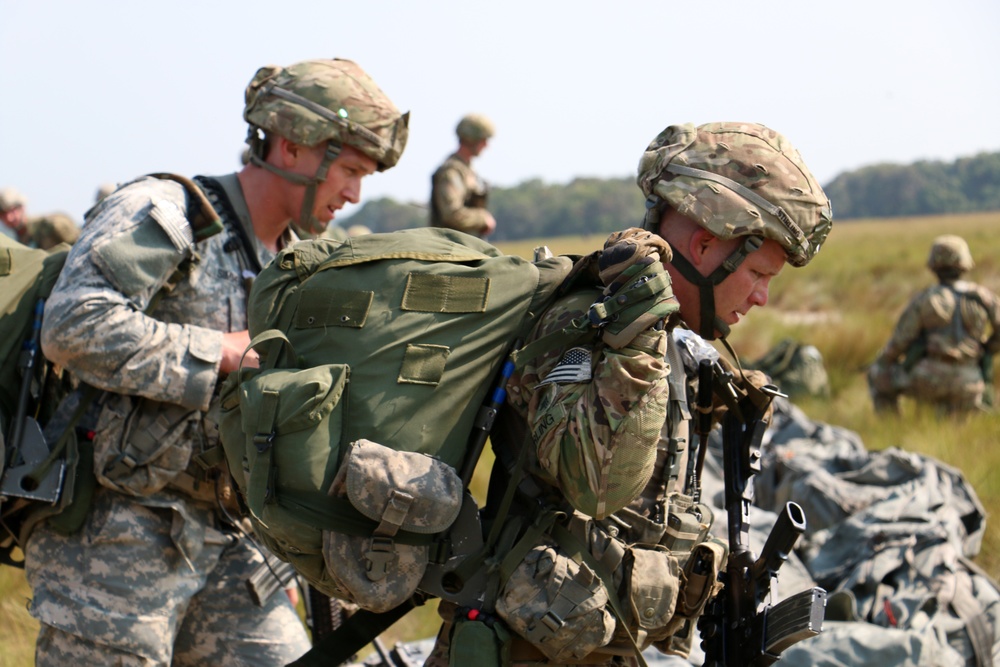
<point>709,321</point>
<point>307,221</point>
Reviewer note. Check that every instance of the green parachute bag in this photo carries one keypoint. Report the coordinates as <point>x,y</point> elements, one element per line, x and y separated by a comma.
<point>377,353</point>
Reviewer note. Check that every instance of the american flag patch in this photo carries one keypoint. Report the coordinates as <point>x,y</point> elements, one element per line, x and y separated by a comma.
<point>573,367</point>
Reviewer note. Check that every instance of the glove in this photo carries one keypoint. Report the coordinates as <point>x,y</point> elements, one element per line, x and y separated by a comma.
<point>626,249</point>
<point>755,378</point>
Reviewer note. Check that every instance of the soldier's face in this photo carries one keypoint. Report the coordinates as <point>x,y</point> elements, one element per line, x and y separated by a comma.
<point>14,217</point>
<point>748,285</point>
<point>343,180</point>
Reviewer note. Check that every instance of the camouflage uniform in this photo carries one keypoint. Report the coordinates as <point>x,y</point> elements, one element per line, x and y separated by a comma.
<point>455,193</point>
<point>458,194</point>
<point>936,352</point>
<point>602,429</point>
<point>157,578</point>
<point>43,232</point>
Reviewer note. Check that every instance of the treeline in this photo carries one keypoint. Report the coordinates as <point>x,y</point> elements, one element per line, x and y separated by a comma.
<point>535,209</point>
<point>967,185</point>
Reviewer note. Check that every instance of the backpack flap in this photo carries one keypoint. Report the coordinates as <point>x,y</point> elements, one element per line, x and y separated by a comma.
<point>401,491</point>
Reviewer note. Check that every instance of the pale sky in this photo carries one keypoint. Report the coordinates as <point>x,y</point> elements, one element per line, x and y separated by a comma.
<point>105,90</point>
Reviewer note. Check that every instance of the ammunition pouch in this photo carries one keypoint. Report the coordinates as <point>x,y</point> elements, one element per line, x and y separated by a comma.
<point>403,492</point>
<point>558,596</point>
<point>142,445</point>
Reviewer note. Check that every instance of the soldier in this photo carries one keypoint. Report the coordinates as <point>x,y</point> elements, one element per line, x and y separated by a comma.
<point>941,351</point>
<point>45,232</point>
<point>103,190</point>
<point>458,194</point>
<point>602,429</point>
<point>157,574</point>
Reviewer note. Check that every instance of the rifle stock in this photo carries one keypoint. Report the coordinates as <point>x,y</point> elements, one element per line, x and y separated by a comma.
<point>739,627</point>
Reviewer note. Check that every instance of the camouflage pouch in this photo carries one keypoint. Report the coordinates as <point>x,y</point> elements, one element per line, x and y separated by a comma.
<point>557,604</point>
<point>141,445</point>
<point>402,491</point>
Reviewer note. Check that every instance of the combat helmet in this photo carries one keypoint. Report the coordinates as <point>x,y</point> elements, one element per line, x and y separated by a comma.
<point>322,101</point>
<point>950,253</point>
<point>735,180</point>
<point>475,127</point>
<point>10,199</point>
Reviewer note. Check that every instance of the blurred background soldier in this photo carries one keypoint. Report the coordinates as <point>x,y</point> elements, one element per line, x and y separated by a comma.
<point>103,190</point>
<point>941,351</point>
<point>458,194</point>
<point>158,572</point>
<point>45,232</point>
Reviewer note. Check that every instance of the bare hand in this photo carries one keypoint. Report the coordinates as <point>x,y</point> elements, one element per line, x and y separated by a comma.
<point>233,346</point>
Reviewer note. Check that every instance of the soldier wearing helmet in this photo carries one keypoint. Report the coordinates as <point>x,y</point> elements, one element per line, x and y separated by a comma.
<point>941,351</point>
<point>735,202</point>
<point>458,194</point>
<point>595,438</point>
<point>151,309</point>
<point>44,232</point>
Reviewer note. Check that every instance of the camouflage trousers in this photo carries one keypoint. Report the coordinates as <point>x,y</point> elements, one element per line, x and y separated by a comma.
<point>153,585</point>
<point>949,386</point>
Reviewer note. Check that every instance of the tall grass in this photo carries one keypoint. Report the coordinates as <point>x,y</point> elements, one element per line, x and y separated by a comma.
<point>845,303</point>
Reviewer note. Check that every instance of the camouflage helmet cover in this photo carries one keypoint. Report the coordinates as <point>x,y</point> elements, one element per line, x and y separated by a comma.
<point>475,127</point>
<point>950,252</point>
<point>738,179</point>
<point>315,101</point>
<point>55,228</point>
<point>11,199</point>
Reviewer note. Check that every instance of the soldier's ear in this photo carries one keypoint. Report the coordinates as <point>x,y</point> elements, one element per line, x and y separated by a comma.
<point>700,246</point>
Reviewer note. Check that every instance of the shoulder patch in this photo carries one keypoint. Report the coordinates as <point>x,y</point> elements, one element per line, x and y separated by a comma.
<point>142,257</point>
<point>573,367</point>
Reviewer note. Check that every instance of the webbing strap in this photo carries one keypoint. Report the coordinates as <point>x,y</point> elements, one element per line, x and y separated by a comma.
<point>260,488</point>
<point>358,630</point>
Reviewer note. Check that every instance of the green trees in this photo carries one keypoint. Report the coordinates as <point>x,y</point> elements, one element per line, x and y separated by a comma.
<point>534,209</point>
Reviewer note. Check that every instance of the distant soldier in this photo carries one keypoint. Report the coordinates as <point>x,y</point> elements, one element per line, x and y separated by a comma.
<point>458,194</point>
<point>941,351</point>
<point>103,190</point>
<point>45,232</point>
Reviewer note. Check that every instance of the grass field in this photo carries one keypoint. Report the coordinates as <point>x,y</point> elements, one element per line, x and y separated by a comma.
<point>845,303</point>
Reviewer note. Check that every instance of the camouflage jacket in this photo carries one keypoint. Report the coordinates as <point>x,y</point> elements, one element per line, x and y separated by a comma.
<point>595,415</point>
<point>94,319</point>
<point>930,319</point>
<point>458,197</point>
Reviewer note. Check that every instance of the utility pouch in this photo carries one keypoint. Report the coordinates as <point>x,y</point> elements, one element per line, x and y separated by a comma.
<point>557,604</point>
<point>141,444</point>
<point>478,644</point>
<point>402,491</point>
<point>651,595</point>
<point>699,584</point>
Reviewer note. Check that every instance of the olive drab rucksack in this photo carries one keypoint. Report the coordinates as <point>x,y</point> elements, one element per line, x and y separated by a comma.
<point>377,354</point>
<point>29,386</point>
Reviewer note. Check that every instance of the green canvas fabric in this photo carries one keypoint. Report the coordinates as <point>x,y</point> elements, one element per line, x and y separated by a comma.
<point>392,339</point>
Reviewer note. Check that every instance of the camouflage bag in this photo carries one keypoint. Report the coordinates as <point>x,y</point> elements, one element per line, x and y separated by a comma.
<point>377,354</point>
<point>796,368</point>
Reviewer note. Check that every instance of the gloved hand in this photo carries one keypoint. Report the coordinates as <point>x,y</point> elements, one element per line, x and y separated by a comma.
<point>637,288</point>
<point>632,247</point>
<point>752,377</point>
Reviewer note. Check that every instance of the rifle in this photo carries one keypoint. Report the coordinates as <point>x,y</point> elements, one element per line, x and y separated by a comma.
<point>740,628</point>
